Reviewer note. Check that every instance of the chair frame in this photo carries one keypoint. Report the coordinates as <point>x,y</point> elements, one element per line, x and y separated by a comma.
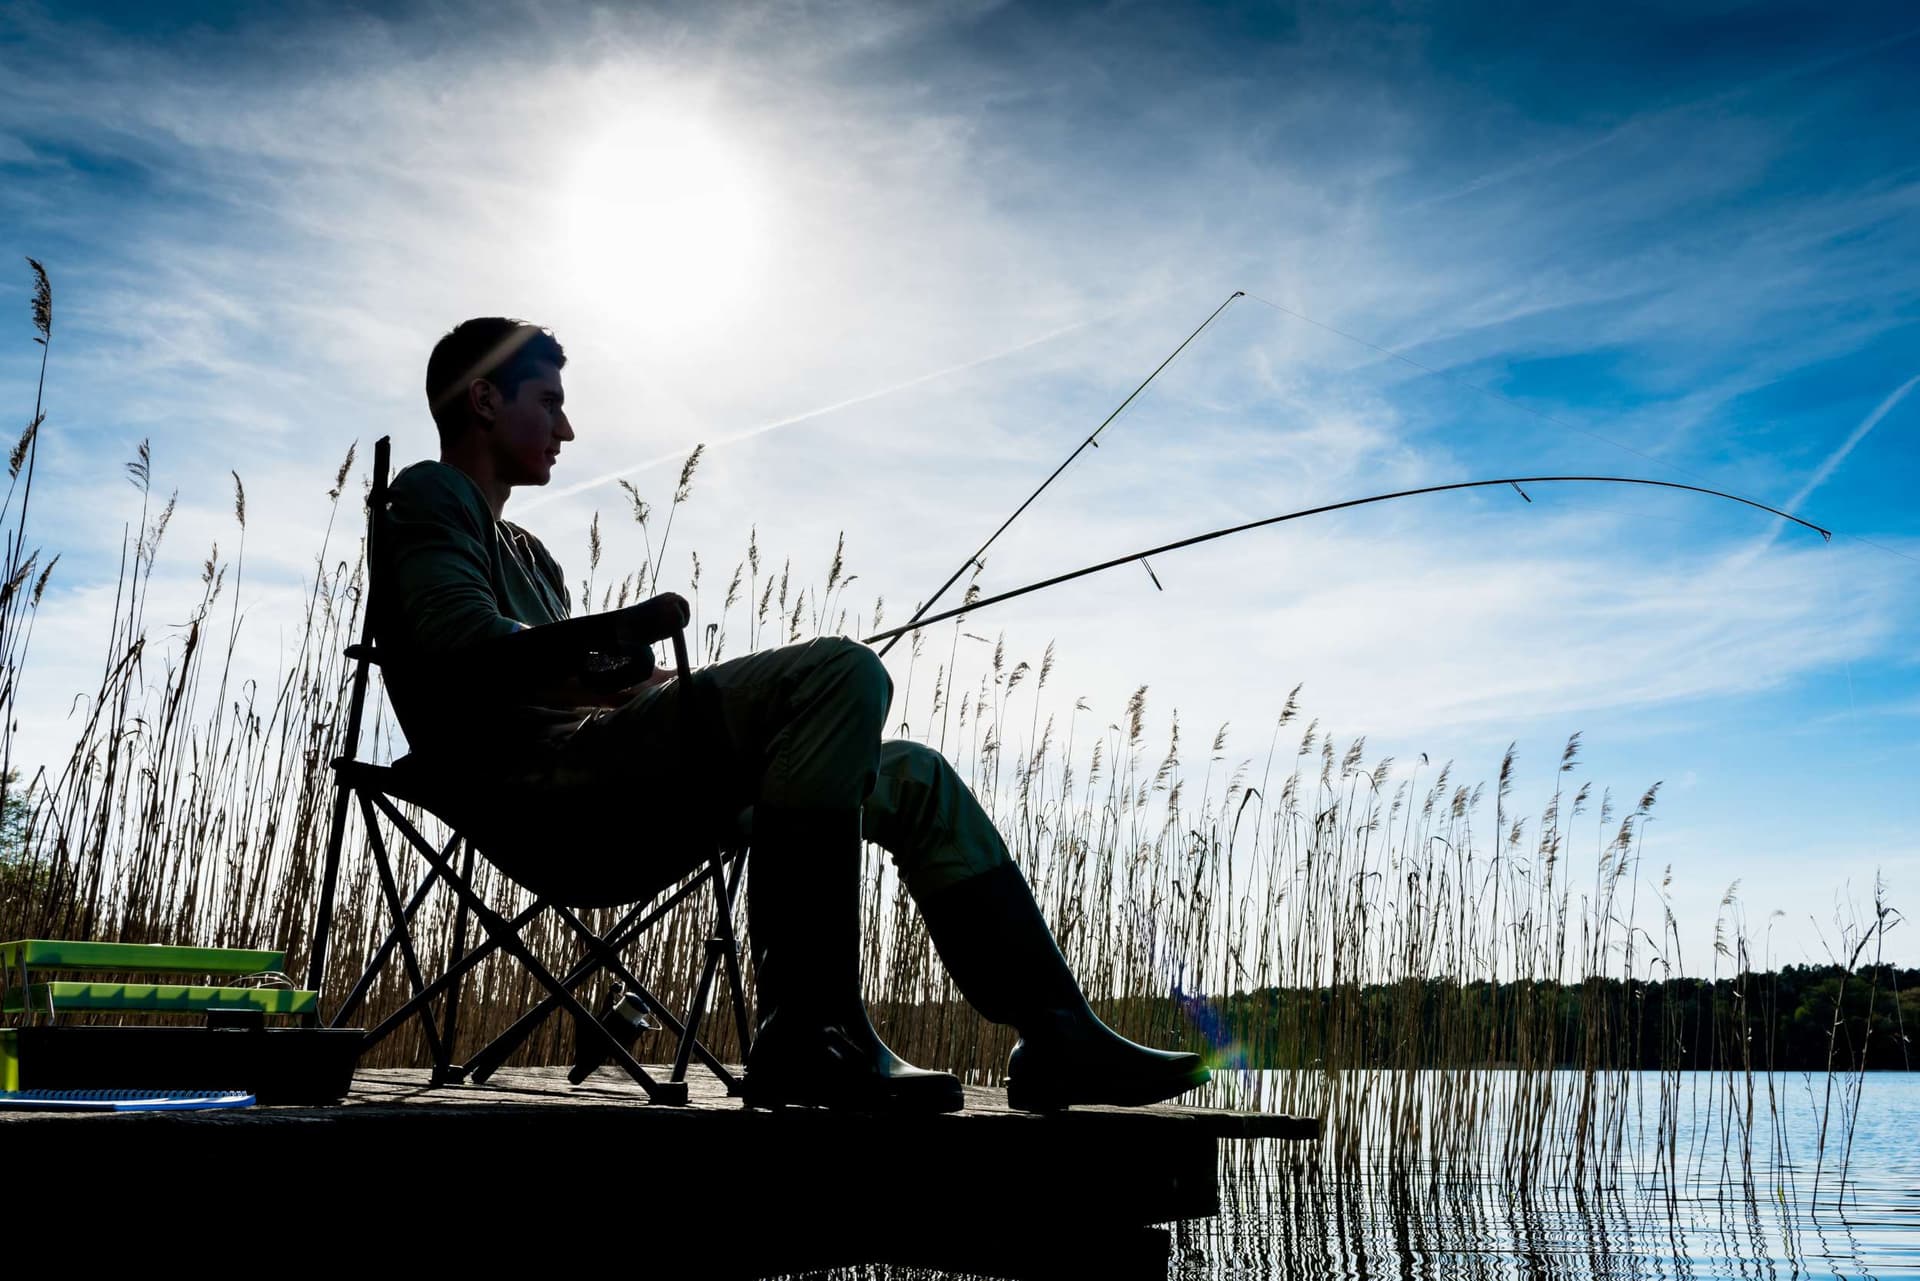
<point>375,789</point>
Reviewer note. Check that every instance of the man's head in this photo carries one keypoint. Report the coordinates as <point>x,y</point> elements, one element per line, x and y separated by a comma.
<point>500,378</point>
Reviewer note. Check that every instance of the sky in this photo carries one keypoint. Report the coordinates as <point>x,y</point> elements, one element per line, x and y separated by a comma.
<point>892,263</point>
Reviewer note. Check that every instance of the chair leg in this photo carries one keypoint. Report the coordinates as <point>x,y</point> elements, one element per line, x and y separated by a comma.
<point>734,983</point>
<point>497,1051</point>
<point>372,971</point>
<point>330,869</point>
<point>398,913</point>
<point>610,958</point>
<point>635,923</point>
<point>720,946</point>
<point>496,927</point>
<point>445,1072</point>
<point>481,952</point>
<point>696,1005</point>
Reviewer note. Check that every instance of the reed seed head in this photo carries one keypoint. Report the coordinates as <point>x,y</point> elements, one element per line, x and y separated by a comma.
<point>340,477</point>
<point>640,509</point>
<point>685,487</point>
<point>42,300</point>
<point>19,454</point>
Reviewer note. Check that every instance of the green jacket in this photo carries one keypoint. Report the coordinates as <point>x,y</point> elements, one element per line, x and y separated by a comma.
<point>450,576</point>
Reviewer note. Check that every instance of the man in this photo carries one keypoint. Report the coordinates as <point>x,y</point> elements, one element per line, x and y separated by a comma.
<point>565,771</point>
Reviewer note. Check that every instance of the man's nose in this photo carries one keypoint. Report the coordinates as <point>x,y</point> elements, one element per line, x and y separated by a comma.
<point>565,428</point>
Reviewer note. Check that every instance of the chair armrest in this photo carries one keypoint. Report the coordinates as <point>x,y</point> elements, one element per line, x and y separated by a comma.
<point>538,652</point>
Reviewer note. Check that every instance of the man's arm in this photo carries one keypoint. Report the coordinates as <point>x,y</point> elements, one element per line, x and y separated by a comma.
<point>436,538</point>
<point>560,650</point>
<point>435,548</point>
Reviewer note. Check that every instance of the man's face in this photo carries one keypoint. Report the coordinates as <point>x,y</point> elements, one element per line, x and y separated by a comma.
<point>528,430</point>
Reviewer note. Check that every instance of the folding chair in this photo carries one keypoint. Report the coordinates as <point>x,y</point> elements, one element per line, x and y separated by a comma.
<point>378,791</point>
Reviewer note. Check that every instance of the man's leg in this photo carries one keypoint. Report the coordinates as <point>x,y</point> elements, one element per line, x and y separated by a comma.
<point>800,730</point>
<point>796,726</point>
<point>996,943</point>
<point>795,733</point>
<point>922,813</point>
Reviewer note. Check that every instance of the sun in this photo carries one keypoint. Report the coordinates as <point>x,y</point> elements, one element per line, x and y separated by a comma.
<point>661,219</point>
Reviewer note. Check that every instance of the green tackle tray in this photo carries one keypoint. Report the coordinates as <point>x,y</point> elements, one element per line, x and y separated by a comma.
<point>170,998</point>
<point>136,958</point>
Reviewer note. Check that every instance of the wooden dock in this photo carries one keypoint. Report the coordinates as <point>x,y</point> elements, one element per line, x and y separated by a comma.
<point>734,1191</point>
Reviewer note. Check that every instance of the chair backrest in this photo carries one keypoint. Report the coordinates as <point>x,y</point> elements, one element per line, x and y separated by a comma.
<point>364,653</point>
<point>361,655</point>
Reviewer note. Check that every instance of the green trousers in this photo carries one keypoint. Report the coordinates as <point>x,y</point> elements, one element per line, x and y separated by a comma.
<point>798,726</point>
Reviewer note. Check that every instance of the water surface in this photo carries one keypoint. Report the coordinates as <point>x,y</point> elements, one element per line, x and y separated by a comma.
<point>1696,1186</point>
<point>1693,1199</point>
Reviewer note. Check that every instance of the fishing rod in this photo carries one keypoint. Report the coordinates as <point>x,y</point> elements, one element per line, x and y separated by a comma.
<point>918,621</point>
<point>1093,441</point>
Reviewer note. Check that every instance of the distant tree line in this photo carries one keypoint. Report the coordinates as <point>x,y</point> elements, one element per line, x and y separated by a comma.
<point>1799,1018</point>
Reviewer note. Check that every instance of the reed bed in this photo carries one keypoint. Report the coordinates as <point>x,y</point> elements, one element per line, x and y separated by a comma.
<point>1344,936</point>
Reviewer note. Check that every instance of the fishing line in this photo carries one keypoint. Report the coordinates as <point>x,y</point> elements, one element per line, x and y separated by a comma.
<point>1091,441</point>
<point>1834,611</point>
<point>1562,423</point>
<point>893,634</point>
<point>1482,388</point>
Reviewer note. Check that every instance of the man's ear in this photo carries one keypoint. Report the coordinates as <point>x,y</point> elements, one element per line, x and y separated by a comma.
<point>483,398</point>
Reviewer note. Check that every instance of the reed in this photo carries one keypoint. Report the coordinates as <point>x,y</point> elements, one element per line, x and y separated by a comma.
<point>1343,935</point>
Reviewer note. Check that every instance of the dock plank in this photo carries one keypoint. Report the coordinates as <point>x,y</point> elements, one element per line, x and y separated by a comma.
<point>548,1087</point>
<point>985,1190</point>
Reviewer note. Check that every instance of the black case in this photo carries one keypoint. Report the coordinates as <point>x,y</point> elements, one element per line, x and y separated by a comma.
<point>296,1065</point>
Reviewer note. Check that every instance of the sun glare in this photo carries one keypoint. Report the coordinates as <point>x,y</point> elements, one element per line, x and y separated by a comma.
<point>661,222</point>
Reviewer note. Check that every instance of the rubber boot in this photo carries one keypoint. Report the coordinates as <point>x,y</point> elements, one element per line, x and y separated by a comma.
<point>813,1044</point>
<point>997,946</point>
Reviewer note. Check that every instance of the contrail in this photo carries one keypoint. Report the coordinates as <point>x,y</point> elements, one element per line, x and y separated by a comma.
<point>1838,456</point>
<point>762,429</point>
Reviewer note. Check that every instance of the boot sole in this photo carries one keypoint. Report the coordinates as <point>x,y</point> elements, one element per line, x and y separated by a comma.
<point>1056,1096</point>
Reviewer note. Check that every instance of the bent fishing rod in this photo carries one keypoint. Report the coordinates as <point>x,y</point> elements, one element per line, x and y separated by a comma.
<point>923,619</point>
<point>1092,441</point>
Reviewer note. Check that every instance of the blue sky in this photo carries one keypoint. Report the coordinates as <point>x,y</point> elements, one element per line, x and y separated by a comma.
<point>1677,242</point>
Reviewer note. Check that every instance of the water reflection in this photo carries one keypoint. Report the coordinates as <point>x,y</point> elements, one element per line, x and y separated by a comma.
<point>1691,1189</point>
<point>1700,1204</point>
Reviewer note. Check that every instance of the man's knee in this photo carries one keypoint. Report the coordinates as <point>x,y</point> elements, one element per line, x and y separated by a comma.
<point>920,779</point>
<point>924,791</point>
<point>853,666</point>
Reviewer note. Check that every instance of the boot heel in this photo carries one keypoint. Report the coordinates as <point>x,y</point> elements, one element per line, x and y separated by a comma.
<point>1038,1098</point>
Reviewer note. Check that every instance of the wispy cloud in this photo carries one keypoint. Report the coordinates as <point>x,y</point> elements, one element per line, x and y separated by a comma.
<point>260,232</point>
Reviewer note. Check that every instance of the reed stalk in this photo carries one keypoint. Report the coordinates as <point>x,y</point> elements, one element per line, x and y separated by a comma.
<point>1452,986</point>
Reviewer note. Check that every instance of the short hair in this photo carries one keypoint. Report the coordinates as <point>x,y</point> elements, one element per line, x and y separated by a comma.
<point>504,352</point>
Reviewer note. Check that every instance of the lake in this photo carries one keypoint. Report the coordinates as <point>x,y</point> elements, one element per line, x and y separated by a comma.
<point>1678,1202</point>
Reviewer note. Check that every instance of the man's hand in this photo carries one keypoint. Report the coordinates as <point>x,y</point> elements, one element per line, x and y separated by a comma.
<point>574,692</point>
<point>660,676</point>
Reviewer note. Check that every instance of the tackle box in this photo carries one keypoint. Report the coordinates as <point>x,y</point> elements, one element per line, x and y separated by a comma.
<point>234,990</point>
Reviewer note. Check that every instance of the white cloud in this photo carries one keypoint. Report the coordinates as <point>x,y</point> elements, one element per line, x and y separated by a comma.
<point>958,269</point>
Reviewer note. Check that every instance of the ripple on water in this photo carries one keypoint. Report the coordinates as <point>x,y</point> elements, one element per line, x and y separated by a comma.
<point>1695,1214</point>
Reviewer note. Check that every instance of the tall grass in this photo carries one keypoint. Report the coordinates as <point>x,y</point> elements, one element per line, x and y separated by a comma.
<point>1383,933</point>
